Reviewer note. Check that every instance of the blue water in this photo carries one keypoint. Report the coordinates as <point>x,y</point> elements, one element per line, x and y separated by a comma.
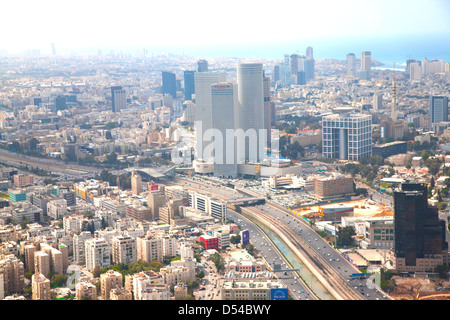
<point>386,49</point>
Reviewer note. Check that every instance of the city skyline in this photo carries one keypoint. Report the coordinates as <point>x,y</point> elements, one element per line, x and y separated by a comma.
<point>334,28</point>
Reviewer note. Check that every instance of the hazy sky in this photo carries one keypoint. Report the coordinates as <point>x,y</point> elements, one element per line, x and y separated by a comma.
<point>188,24</point>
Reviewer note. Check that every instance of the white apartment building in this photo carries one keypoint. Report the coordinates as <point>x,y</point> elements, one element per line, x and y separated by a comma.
<point>57,208</point>
<point>79,247</point>
<point>124,249</point>
<point>148,286</point>
<point>174,275</point>
<point>97,253</point>
<point>150,248</point>
<point>73,223</point>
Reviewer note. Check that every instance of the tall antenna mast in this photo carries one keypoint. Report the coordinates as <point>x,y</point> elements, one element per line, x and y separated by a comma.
<point>394,96</point>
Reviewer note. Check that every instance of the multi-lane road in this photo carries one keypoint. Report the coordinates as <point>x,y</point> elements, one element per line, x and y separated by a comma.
<point>335,269</point>
<point>51,165</point>
<point>297,288</point>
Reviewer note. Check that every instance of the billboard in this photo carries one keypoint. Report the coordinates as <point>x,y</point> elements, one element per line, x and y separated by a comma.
<point>279,294</point>
<point>245,237</point>
<point>154,187</point>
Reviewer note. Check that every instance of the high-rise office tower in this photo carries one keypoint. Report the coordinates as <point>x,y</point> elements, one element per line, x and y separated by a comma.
<point>309,65</point>
<point>251,111</point>
<point>189,84</point>
<point>366,65</point>
<point>309,69</point>
<point>202,66</point>
<point>301,78</point>
<point>295,64</point>
<point>424,64</point>
<point>347,136</point>
<point>224,119</point>
<point>276,73</point>
<point>438,109</point>
<point>118,98</point>
<point>419,235</point>
<point>415,71</point>
<point>408,66</point>
<point>203,112</point>
<point>351,64</point>
<point>169,84</point>
<point>286,70</point>
<point>309,52</point>
<point>267,111</point>
<point>377,101</point>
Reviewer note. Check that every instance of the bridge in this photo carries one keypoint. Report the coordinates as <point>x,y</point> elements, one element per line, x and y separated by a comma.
<point>152,173</point>
<point>247,201</point>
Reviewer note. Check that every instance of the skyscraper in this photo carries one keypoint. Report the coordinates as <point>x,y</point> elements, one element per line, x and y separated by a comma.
<point>438,109</point>
<point>309,52</point>
<point>202,65</point>
<point>286,70</point>
<point>203,119</point>
<point>295,64</point>
<point>309,65</point>
<point>415,71</point>
<point>276,73</point>
<point>351,64</point>
<point>224,117</point>
<point>309,69</point>
<point>267,111</point>
<point>189,84</point>
<point>419,235</point>
<point>347,136</point>
<point>118,98</point>
<point>377,101</point>
<point>251,111</point>
<point>366,65</point>
<point>169,84</point>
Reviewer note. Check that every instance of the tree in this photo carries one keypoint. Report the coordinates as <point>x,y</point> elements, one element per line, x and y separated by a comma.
<point>442,270</point>
<point>97,271</point>
<point>236,239</point>
<point>345,236</point>
<point>424,155</point>
<point>218,261</point>
<point>58,280</point>
<point>33,143</point>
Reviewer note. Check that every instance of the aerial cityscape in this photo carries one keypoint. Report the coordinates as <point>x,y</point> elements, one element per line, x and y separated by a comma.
<point>298,169</point>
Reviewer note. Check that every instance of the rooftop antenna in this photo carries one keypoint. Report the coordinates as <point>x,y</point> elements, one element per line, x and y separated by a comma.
<point>394,97</point>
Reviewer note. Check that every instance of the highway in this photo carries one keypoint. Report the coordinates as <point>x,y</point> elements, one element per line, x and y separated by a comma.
<point>51,165</point>
<point>297,289</point>
<point>335,269</point>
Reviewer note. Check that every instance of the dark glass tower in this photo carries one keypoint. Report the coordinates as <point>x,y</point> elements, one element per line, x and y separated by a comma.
<point>189,84</point>
<point>418,231</point>
<point>202,65</point>
<point>169,84</point>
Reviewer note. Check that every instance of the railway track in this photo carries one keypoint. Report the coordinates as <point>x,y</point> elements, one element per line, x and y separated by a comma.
<point>329,277</point>
<point>334,281</point>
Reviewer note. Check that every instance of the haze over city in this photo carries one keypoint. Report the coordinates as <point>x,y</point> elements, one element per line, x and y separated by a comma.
<point>264,29</point>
